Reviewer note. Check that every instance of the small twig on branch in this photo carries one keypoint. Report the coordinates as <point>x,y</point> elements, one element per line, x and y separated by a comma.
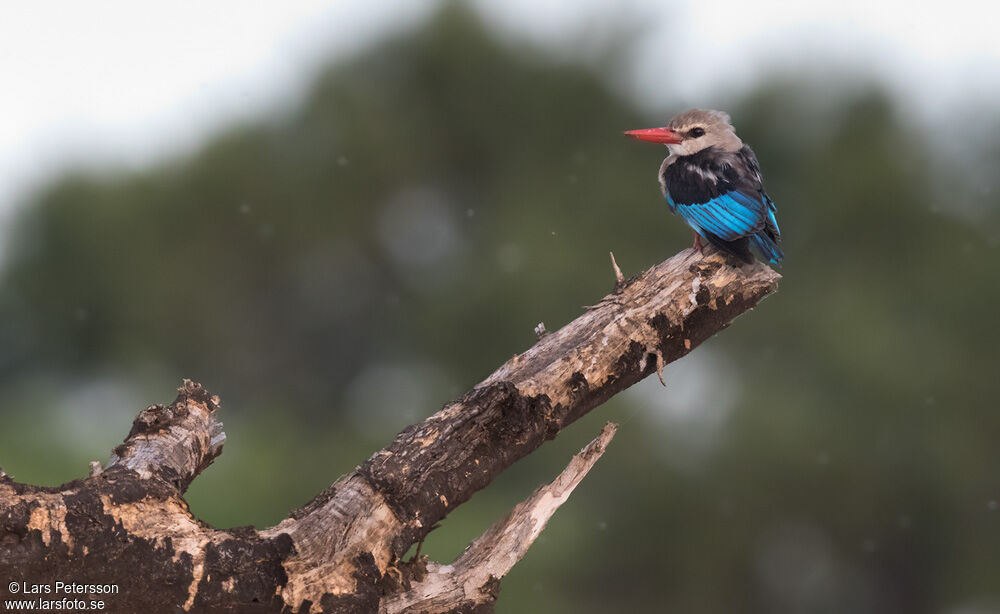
<point>619,278</point>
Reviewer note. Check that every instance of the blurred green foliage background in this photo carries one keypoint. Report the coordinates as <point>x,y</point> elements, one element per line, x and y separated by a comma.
<point>341,269</point>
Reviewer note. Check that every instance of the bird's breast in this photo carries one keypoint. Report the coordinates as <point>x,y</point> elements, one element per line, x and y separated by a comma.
<point>693,179</point>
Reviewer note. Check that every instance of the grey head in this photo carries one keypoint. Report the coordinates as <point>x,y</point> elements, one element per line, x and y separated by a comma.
<point>700,129</point>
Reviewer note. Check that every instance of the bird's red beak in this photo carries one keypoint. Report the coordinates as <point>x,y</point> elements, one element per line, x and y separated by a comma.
<point>655,135</point>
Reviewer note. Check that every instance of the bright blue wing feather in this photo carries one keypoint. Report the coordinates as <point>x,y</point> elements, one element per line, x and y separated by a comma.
<point>728,216</point>
<point>771,218</point>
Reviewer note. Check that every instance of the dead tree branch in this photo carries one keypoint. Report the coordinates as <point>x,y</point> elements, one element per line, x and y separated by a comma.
<point>129,525</point>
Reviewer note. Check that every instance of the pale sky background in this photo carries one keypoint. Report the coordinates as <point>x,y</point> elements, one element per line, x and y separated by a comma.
<point>124,83</point>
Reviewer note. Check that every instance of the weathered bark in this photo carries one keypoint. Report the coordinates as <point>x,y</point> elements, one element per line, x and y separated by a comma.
<point>129,525</point>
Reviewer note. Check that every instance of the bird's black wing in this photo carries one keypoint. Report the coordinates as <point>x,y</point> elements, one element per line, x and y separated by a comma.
<point>756,181</point>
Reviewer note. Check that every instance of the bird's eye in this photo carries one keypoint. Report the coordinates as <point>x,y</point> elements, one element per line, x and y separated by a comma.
<point>696,132</point>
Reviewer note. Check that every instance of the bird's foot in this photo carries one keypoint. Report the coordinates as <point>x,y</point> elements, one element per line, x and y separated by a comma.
<point>697,243</point>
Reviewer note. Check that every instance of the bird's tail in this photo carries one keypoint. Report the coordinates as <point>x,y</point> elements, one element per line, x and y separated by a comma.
<point>765,245</point>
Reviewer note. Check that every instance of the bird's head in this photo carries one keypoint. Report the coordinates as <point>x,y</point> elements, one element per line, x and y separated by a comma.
<point>691,131</point>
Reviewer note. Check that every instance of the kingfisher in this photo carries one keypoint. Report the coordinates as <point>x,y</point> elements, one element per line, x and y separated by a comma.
<point>712,180</point>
